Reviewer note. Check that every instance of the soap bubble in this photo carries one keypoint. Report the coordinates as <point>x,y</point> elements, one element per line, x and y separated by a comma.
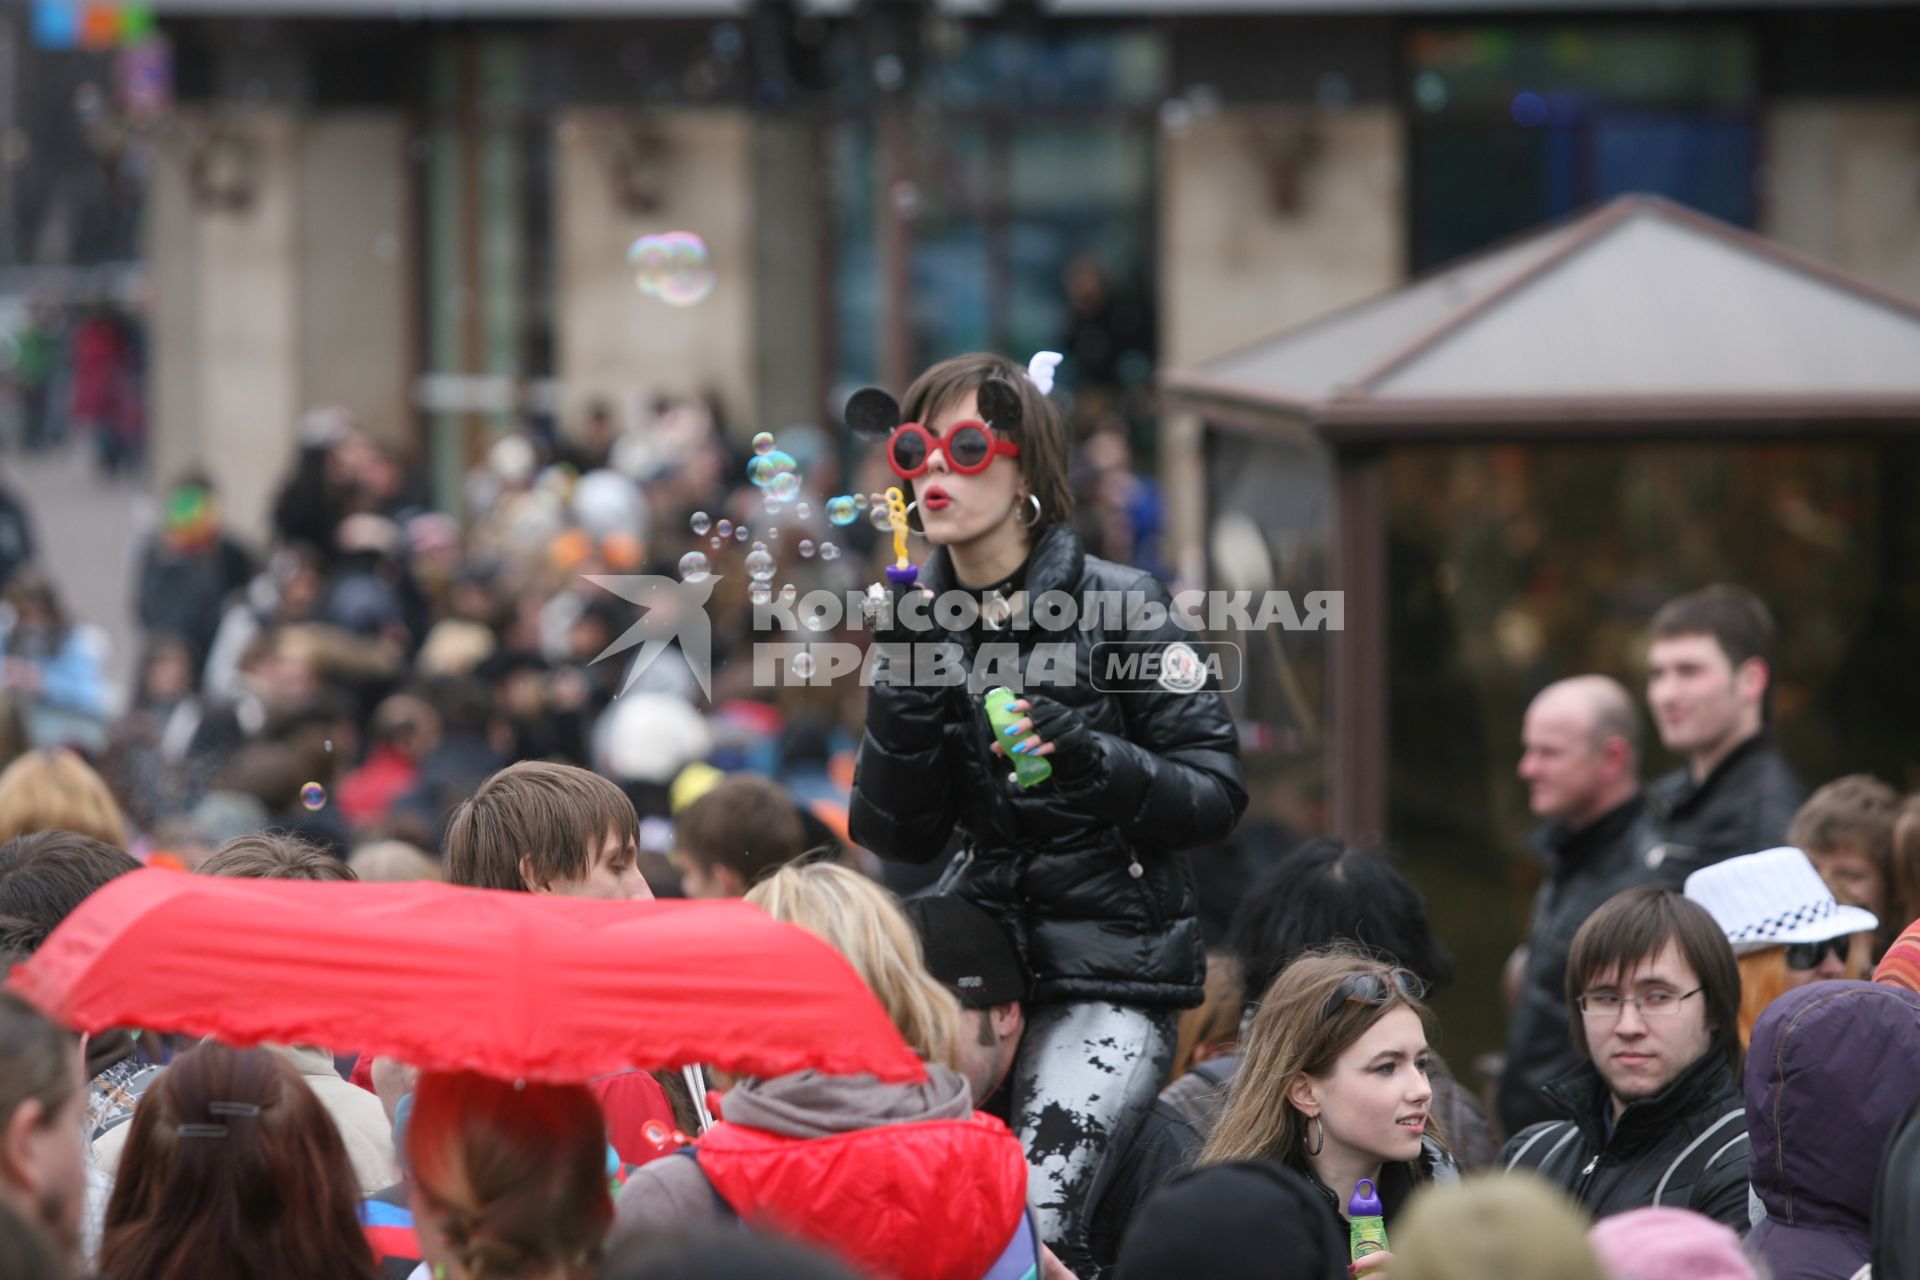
<point>773,533</point>
<point>829,552</point>
<point>803,665</point>
<point>313,796</point>
<point>842,510</point>
<point>693,566</point>
<point>768,467</point>
<point>741,533</point>
<point>788,594</point>
<point>879,517</point>
<point>763,442</point>
<point>716,542</point>
<point>700,522</point>
<point>784,486</point>
<point>806,549</point>
<point>860,501</point>
<point>724,528</point>
<point>802,511</point>
<point>759,592</point>
<point>675,268</point>
<point>760,564</point>
<point>327,746</point>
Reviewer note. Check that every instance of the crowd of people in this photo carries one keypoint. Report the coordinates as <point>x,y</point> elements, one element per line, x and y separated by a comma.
<point>1712,1017</point>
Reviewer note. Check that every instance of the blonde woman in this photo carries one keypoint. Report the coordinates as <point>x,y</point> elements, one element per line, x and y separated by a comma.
<point>1334,1085</point>
<point>55,790</point>
<point>902,1180</point>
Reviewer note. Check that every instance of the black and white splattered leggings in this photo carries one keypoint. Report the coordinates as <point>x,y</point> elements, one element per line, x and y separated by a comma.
<point>1085,1076</point>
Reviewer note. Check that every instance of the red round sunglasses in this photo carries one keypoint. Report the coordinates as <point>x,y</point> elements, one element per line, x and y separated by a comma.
<point>970,447</point>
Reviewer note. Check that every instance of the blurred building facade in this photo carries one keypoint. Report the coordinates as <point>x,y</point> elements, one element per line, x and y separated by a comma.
<point>422,211</point>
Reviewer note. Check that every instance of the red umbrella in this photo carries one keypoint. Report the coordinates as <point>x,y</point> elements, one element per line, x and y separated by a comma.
<point>514,985</point>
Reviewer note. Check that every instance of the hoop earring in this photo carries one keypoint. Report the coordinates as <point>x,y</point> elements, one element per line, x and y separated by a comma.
<point>911,508</point>
<point>1034,498</point>
<point>1320,1134</point>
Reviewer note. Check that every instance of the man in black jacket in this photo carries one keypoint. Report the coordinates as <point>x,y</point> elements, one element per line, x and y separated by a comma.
<point>1708,672</point>
<point>1653,1115</point>
<point>1580,760</point>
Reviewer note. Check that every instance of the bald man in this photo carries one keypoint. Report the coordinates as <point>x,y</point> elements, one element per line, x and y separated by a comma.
<point>1580,760</point>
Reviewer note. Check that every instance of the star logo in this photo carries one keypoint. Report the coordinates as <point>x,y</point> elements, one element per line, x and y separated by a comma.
<point>672,610</point>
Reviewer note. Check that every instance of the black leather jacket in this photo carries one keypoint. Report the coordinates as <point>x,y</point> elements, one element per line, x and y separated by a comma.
<point>1086,878</point>
<point>1684,1148</point>
<point>1617,851</point>
<point>1745,805</point>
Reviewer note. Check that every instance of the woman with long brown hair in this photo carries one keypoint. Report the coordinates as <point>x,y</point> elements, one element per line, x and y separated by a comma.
<point>1334,1083</point>
<point>509,1180</point>
<point>233,1169</point>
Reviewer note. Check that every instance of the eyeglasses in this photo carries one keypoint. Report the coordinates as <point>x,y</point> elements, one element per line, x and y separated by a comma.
<point>1654,1004</point>
<point>970,447</point>
<point>1802,956</point>
<point>1369,987</point>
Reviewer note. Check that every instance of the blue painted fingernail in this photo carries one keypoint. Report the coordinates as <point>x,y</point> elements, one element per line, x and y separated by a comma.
<point>1010,730</point>
<point>1011,706</point>
<point>1020,749</point>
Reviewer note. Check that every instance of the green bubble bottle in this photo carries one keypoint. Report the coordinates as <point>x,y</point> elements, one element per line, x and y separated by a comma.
<point>1028,771</point>
<point>1366,1221</point>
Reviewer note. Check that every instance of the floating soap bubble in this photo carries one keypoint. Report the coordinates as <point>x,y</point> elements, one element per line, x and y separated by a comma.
<point>675,268</point>
<point>741,533</point>
<point>788,594</point>
<point>773,533</point>
<point>716,542</point>
<point>879,517</point>
<point>327,746</point>
<point>842,510</point>
<point>763,443</point>
<point>802,511</point>
<point>860,501</point>
<point>803,665</point>
<point>724,528</point>
<point>784,485</point>
<point>701,522</point>
<point>760,564</point>
<point>806,549</point>
<point>829,552</point>
<point>693,566</point>
<point>759,592</point>
<point>313,796</point>
<point>760,471</point>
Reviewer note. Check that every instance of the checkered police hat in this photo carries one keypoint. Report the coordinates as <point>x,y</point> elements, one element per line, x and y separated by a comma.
<point>1773,899</point>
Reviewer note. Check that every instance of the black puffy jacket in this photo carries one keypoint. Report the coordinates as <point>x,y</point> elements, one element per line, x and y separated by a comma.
<point>1684,1148</point>
<point>1744,805</point>
<point>1087,879</point>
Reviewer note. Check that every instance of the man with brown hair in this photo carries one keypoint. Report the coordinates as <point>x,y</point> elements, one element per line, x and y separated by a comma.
<point>1709,677</point>
<point>736,835</point>
<point>1846,829</point>
<point>1653,1114</point>
<point>547,828</point>
<point>274,855</point>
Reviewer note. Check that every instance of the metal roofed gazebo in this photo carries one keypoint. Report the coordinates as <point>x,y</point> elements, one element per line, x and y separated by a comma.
<point>1639,319</point>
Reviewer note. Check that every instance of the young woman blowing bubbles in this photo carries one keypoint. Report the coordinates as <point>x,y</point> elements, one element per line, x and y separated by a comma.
<point>1082,868</point>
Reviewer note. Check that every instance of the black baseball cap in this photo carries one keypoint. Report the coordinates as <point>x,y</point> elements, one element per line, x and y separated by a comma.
<point>968,951</point>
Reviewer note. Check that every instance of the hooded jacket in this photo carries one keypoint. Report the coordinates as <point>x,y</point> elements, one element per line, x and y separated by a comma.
<point>900,1180</point>
<point>1617,851</point>
<point>1084,876</point>
<point>1896,1203</point>
<point>1830,1071</point>
<point>1683,1148</point>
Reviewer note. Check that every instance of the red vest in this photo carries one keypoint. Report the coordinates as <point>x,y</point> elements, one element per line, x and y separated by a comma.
<point>933,1200</point>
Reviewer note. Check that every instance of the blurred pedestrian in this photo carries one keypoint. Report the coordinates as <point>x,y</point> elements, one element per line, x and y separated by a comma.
<point>1846,830</point>
<point>190,567</point>
<point>1237,1220</point>
<point>43,1106</point>
<point>1669,1244</point>
<point>54,664</point>
<point>57,791</point>
<point>736,835</point>
<point>1709,678</point>
<point>1492,1228</point>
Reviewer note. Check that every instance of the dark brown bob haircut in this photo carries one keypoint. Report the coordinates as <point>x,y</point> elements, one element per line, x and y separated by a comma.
<point>1635,926</point>
<point>556,815</point>
<point>1046,445</point>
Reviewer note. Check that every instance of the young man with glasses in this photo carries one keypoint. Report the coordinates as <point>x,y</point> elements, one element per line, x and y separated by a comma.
<point>1653,1115</point>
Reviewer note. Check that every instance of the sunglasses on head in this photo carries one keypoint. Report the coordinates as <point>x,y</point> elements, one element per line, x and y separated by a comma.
<point>1802,956</point>
<point>1370,987</point>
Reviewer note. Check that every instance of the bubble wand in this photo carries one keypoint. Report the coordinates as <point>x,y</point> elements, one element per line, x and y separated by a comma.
<point>900,573</point>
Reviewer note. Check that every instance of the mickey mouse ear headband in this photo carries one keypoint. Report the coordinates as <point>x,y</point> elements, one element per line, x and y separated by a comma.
<point>873,414</point>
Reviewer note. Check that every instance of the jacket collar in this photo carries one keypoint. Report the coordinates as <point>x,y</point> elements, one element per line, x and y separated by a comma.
<point>1054,563</point>
<point>1582,1094</point>
<point>1567,847</point>
<point>1731,763</point>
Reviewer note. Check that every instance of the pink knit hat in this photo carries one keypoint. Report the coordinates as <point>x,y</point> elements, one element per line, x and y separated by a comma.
<point>1668,1244</point>
<point>1900,967</point>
